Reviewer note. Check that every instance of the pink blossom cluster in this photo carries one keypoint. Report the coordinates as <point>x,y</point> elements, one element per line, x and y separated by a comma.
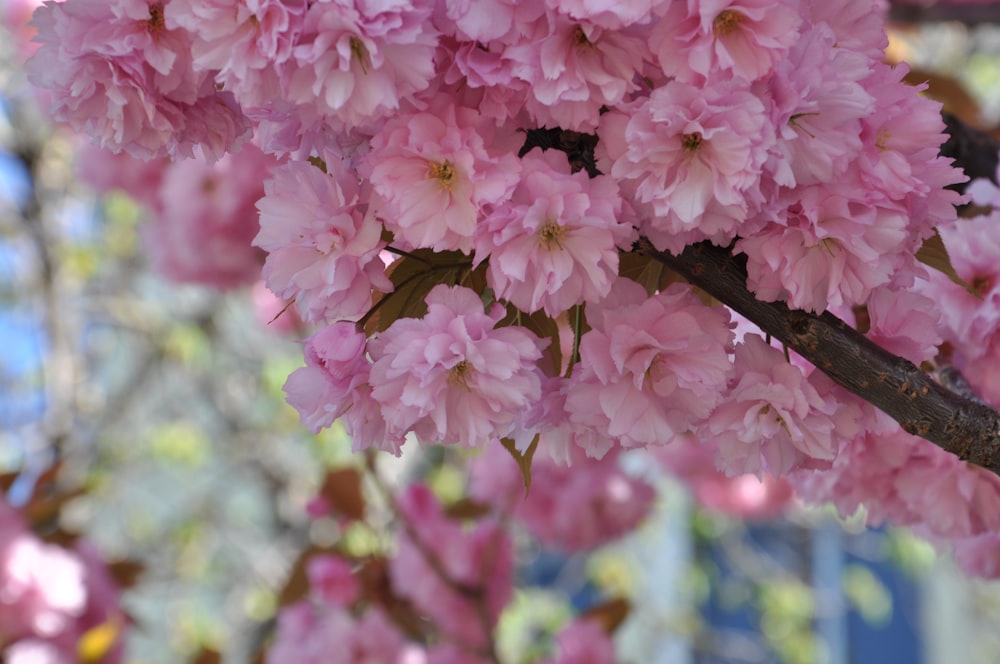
<point>471,283</point>
<point>50,597</point>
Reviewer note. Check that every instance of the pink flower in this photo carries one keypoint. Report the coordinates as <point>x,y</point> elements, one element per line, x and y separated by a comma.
<point>650,367</point>
<point>322,245</point>
<point>744,496</point>
<point>691,159</point>
<point>583,642</point>
<point>242,44</point>
<point>331,580</point>
<point>206,220</point>
<point>357,61</point>
<point>573,508</point>
<point>574,68</point>
<point>904,323</point>
<point>434,173</point>
<point>555,243</point>
<point>830,247</point>
<point>610,15</point>
<point>117,73</point>
<point>772,418</point>
<point>479,559</point>
<point>452,378</point>
<point>696,40</point>
<point>816,100</point>
<point>336,367</point>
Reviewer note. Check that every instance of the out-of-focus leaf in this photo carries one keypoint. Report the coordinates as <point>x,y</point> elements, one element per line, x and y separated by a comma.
<point>207,656</point>
<point>467,508</point>
<point>610,615</point>
<point>98,641</point>
<point>125,573</point>
<point>932,253</point>
<point>523,460</point>
<point>543,327</point>
<point>342,490</point>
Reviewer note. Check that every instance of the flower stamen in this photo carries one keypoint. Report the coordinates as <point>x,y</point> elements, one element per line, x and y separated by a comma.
<point>360,53</point>
<point>458,375</point>
<point>691,142</point>
<point>443,172</point>
<point>727,22</point>
<point>551,235</point>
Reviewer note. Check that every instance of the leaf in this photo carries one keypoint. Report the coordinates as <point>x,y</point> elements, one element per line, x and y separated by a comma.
<point>610,615</point>
<point>641,269</point>
<point>98,641</point>
<point>467,509</point>
<point>342,490</point>
<point>932,253</point>
<point>207,656</point>
<point>523,460</point>
<point>125,573</point>
<point>413,277</point>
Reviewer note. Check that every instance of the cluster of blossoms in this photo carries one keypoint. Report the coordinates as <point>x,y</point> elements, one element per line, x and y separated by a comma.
<point>458,578</point>
<point>471,274</point>
<point>51,598</point>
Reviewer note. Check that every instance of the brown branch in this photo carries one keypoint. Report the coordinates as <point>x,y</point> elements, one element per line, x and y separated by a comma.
<point>963,426</point>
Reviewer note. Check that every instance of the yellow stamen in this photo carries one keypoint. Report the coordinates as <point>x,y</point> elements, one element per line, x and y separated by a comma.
<point>727,22</point>
<point>458,375</point>
<point>691,142</point>
<point>551,235</point>
<point>360,53</point>
<point>443,172</point>
<point>155,23</point>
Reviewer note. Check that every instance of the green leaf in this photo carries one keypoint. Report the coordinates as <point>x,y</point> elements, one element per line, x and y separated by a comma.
<point>543,327</point>
<point>523,460</point>
<point>641,269</point>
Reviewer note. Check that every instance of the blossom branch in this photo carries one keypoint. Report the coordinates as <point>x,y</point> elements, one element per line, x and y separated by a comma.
<point>963,426</point>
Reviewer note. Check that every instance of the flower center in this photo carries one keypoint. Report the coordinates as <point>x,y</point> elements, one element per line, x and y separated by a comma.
<point>580,39</point>
<point>360,53</point>
<point>981,285</point>
<point>458,375</point>
<point>551,235</point>
<point>691,142</point>
<point>155,23</point>
<point>726,22</point>
<point>443,172</point>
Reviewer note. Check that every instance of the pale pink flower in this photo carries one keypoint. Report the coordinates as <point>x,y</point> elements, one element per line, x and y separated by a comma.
<point>572,508</point>
<point>610,15</point>
<point>452,378</point>
<point>817,98</point>
<point>487,20</point>
<point>336,367</point>
<point>433,174</point>
<point>357,61</point>
<point>106,171</point>
<point>241,42</point>
<point>206,220</point>
<point>573,68</point>
<point>650,367</point>
<point>859,25</point>
<point>118,74</point>
<point>483,78</point>
<point>771,418</point>
<point>904,323</point>
<point>694,41</point>
<point>830,247</point>
<point>479,558</point>
<point>555,243</point>
<point>691,159</point>
<point>322,244</point>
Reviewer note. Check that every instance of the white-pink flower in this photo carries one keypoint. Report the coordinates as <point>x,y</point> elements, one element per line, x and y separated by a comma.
<point>691,160</point>
<point>323,246</point>
<point>118,74</point>
<point>695,41</point>
<point>336,367</point>
<point>452,378</point>
<point>573,68</point>
<point>772,418</point>
<point>357,61</point>
<point>651,367</point>
<point>555,243</point>
<point>433,173</point>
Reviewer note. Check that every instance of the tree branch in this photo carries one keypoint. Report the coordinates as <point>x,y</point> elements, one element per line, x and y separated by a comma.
<point>963,426</point>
